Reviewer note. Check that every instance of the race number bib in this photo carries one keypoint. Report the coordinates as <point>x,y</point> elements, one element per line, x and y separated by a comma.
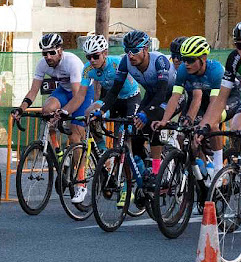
<point>48,86</point>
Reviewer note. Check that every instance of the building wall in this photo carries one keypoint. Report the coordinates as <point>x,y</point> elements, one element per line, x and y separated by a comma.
<point>179,18</point>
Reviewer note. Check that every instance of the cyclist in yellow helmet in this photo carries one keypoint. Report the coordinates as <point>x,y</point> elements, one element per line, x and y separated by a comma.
<point>230,82</point>
<point>203,77</point>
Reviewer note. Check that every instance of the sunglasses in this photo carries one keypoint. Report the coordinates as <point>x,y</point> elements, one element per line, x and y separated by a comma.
<point>238,45</point>
<point>52,52</point>
<point>132,51</point>
<point>176,55</point>
<point>189,60</point>
<point>94,56</point>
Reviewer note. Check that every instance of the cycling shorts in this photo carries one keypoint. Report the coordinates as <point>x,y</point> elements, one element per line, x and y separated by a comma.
<point>65,96</point>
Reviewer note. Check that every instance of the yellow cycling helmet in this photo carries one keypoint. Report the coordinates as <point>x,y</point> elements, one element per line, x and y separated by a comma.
<point>195,46</point>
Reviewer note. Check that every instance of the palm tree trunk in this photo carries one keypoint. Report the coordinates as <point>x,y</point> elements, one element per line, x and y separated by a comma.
<point>102,17</point>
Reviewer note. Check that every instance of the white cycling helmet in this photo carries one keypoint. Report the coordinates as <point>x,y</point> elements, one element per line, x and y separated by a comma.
<point>94,44</point>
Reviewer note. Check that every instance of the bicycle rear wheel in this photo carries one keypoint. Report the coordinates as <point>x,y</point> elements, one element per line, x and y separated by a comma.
<point>34,179</point>
<point>111,180</point>
<point>225,192</point>
<point>69,181</point>
<point>172,203</point>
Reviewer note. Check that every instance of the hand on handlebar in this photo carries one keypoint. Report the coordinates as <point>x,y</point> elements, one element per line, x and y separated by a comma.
<point>200,132</point>
<point>17,113</point>
<point>157,124</point>
<point>140,120</point>
<point>185,121</point>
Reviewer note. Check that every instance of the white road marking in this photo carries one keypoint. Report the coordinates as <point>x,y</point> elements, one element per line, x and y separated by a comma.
<point>143,222</point>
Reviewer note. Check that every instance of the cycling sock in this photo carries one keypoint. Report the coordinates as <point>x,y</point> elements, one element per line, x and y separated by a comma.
<point>81,175</point>
<point>218,159</point>
<point>156,165</point>
<point>54,139</point>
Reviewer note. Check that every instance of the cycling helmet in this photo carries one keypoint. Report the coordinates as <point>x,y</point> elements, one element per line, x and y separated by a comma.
<point>50,41</point>
<point>195,46</point>
<point>176,44</point>
<point>94,44</point>
<point>136,39</point>
<point>237,32</point>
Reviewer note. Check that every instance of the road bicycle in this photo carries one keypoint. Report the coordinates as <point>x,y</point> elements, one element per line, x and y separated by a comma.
<point>37,168</point>
<point>117,173</point>
<point>179,177</point>
<point>225,192</point>
<point>83,155</point>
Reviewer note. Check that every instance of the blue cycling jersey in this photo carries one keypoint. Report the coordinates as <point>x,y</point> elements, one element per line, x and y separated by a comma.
<point>159,68</point>
<point>106,77</point>
<point>211,79</point>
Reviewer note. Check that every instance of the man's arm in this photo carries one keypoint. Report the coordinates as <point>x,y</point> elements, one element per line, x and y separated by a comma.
<point>97,90</point>
<point>214,110</point>
<point>171,107</point>
<point>32,93</point>
<point>112,95</point>
<point>79,93</point>
<point>195,104</point>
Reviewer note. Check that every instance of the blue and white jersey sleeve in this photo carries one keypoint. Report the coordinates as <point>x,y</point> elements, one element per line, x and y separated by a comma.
<point>162,67</point>
<point>86,80</point>
<point>122,70</point>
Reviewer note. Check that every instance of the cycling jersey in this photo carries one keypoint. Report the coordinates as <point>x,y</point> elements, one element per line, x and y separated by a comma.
<point>209,82</point>
<point>156,80</point>
<point>107,75</point>
<point>232,69</point>
<point>68,70</point>
<point>159,68</point>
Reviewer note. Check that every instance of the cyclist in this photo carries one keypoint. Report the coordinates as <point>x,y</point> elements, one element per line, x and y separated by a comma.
<point>204,77</point>
<point>102,69</point>
<point>68,98</point>
<point>175,47</point>
<point>228,87</point>
<point>153,71</point>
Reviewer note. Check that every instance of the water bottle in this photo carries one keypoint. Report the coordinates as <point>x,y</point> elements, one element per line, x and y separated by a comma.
<point>202,167</point>
<point>210,171</point>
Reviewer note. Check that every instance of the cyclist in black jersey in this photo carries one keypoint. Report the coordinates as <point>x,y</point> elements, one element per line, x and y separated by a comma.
<point>232,72</point>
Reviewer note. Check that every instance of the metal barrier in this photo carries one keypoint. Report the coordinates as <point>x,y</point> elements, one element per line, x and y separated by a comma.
<point>9,170</point>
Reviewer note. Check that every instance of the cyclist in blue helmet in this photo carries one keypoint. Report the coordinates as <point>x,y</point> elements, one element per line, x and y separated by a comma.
<point>153,71</point>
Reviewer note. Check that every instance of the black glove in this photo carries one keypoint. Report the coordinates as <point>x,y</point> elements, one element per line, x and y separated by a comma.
<point>15,110</point>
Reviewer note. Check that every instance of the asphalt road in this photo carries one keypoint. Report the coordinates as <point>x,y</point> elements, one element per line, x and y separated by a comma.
<point>53,236</point>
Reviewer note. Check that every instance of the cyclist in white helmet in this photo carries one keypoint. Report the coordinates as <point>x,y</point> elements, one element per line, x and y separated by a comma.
<point>65,70</point>
<point>102,69</point>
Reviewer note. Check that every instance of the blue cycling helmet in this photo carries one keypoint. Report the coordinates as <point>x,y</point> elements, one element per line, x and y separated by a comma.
<point>136,39</point>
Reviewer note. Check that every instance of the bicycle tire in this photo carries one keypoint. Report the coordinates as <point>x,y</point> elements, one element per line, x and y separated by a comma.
<point>225,192</point>
<point>29,183</point>
<point>107,189</point>
<point>169,178</point>
<point>133,210</point>
<point>67,182</point>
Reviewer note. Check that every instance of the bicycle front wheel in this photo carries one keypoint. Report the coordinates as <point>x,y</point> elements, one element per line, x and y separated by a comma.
<point>69,182</point>
<point>174,195</point>
<point>34,179</point>
<point>225,192</point>
<point>111,190</point>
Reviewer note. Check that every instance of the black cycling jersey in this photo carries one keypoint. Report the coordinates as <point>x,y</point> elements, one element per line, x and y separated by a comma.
<point>232,69</point>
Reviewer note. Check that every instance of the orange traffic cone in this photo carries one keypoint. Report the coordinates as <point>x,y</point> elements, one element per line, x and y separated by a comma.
<point>208,244</point>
